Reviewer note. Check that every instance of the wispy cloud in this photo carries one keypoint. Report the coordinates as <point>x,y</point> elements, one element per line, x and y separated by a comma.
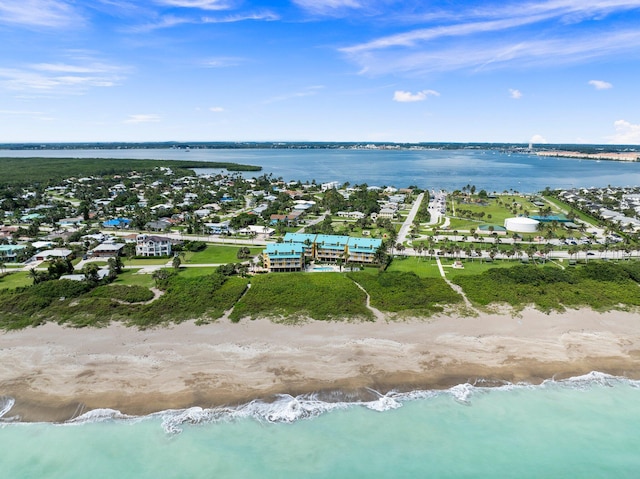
<point>600,85</point>
<point>406,96</point>
<point>199,4</point>
<point>329,7</point>
<point>498,35</point>
<point>223,62</point>
<point>170,20</point>
<point>143,118</point>
<point>216,109</point>
<point>515,94</point>
<point>309,91</point>
<point>626,133</point>
<point>61,78</point>
<point>497,53</point>
<point>38,13</point>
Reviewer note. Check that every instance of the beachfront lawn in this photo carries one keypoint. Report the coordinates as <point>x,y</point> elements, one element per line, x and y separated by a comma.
<point>14,280</point>
<point>132,277</point>
<point>407,293</point>
<point>294,296</point>
<point>476,267</point>
<point>197,272</point>
<point>152,261</point>
<point>421,266</point>
<point>218,254</point>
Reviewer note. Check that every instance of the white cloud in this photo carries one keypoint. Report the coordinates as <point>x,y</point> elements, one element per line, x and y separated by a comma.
<point>600,85</point>
<point>216,109</point>
<point>626,133</point>
<point>38,13</point>
<point>143,118</point>
<point>515,94</point>
<point>537,139</point>
<point>407,96</point>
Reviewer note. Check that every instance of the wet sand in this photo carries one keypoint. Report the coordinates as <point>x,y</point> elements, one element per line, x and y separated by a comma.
<point>56,373</point>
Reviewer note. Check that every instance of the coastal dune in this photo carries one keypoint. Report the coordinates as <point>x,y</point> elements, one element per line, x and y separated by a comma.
<point>56,373</point>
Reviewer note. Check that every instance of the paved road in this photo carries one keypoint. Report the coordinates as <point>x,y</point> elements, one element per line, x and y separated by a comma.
<point>408,222</point>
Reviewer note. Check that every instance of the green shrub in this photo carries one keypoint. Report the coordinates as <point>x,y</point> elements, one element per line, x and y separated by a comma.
<point>321,296</point>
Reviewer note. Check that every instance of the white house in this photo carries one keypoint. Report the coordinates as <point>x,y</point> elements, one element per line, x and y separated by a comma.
<point>150,245</point>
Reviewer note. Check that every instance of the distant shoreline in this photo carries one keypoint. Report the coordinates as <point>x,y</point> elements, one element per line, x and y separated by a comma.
<point>57,373</point>
<point>609,156</point>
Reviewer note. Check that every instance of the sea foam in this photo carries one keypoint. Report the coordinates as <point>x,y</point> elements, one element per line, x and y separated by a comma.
<point>285,408</point>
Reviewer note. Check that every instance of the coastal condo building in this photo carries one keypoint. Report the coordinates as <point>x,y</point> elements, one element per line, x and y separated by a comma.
<point>291,253</point>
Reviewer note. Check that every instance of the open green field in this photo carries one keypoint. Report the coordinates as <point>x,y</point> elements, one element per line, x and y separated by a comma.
<point>151,261</point>
<point>131,277</point>
<point>219,254</point>
<point>14,280</point>
<point>197,272</point>
<point>423,267</point>
<point>292,296</point>
<point>476,267</point>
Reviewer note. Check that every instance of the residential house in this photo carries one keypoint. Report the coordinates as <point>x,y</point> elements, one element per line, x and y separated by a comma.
<point>150,245</point>
<point>107,250</point>
<point>54,254</point>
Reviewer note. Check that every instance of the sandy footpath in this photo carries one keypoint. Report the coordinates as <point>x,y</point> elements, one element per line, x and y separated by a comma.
<point>57,373</point>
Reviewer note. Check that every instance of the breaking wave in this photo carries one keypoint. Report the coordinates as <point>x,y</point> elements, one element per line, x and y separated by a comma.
<point>288,409</point>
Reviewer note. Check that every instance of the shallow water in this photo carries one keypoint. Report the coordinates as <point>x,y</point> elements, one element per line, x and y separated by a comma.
<point>584,427</point>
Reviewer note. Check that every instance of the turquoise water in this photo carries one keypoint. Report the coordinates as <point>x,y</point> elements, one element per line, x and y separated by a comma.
<point>588,427</point>
<point>429,169</point>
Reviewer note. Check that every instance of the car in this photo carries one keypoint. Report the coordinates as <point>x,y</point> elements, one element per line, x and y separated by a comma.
<point>590,253</point>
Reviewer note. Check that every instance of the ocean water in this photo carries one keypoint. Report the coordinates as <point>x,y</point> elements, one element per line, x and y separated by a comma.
<point>429,169</point>
<point>585,427</point>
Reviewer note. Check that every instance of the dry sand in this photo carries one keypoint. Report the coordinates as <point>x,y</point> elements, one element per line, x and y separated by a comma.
<point>57,373</point>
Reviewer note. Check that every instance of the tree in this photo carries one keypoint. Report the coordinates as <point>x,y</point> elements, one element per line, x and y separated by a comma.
<point>90,272</point>
<point>176,262</point>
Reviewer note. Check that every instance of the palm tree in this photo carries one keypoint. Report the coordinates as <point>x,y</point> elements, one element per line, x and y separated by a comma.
<point>2,266</point>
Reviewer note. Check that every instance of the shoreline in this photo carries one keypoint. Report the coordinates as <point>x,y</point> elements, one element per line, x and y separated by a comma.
<point>56,373</point>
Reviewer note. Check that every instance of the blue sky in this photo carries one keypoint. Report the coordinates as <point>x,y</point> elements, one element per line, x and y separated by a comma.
<point>556,71</point>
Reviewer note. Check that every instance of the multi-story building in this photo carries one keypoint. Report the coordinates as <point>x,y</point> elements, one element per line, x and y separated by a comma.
<point>327,248</point>
<point>150,245</point>
<point>283,257</point>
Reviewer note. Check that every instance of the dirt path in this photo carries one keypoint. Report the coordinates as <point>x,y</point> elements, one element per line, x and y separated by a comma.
<point>379,315</point>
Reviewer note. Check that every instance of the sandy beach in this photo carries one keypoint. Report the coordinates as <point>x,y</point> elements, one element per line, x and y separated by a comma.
<point>56,373</point>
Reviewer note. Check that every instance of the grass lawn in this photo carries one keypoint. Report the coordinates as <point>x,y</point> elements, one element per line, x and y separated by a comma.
<point>15,280</point>
<point>475,267</point>
<point>145,261</point>
<point>130,277</point>
<point>218,254</point>
<point>423,267</point>
<point>196,272</point>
